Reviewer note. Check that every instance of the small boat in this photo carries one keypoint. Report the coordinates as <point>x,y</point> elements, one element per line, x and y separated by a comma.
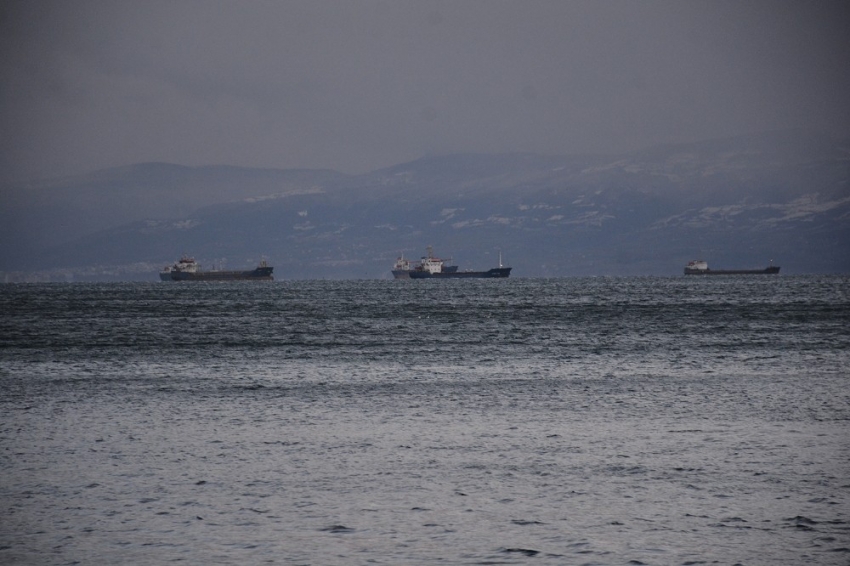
<point>187,269</point>
<point>700,267</point>
<point>432,267</point>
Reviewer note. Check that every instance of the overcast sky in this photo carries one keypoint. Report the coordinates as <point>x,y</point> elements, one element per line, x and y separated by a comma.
<point>356,85</point>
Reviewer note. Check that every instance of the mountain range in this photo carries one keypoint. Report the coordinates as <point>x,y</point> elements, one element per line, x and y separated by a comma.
<point>737,203</point>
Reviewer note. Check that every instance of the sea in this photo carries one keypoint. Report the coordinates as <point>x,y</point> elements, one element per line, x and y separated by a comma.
<point>622,421</point>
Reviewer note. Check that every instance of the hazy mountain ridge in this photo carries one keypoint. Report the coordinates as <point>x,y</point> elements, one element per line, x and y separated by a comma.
<point>737,202</point>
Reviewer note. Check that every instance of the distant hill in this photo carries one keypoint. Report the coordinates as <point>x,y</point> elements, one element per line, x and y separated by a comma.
<point>739,202</point>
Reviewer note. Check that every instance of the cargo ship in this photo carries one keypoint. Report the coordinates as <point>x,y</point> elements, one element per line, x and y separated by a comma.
<point>187,269</point>
<point>699,267</point>
<point>432,267</point>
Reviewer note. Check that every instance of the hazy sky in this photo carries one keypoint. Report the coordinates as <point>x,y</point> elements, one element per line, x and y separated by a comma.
<point>356,85</point>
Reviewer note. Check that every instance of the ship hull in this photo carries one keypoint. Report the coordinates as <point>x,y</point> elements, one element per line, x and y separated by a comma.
<point>495,273</point>
<point>259,274</point>
<point>772,270</point>
<point>405,273</point>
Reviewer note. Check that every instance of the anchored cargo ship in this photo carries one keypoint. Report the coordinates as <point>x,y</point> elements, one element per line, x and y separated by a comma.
<point>431,267</point>
<point>187,269</point>
<point>699,267</point>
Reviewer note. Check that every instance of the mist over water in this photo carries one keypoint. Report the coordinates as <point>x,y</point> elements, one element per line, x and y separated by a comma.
<point>678,420</point>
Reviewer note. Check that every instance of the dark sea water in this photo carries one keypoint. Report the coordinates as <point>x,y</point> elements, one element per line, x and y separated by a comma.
<point>690,420</point>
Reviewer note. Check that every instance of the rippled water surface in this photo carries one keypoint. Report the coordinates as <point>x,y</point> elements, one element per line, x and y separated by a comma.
<point>689,420</point>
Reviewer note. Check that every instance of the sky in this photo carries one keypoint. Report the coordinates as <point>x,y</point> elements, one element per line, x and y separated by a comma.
<point>356,85</point>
